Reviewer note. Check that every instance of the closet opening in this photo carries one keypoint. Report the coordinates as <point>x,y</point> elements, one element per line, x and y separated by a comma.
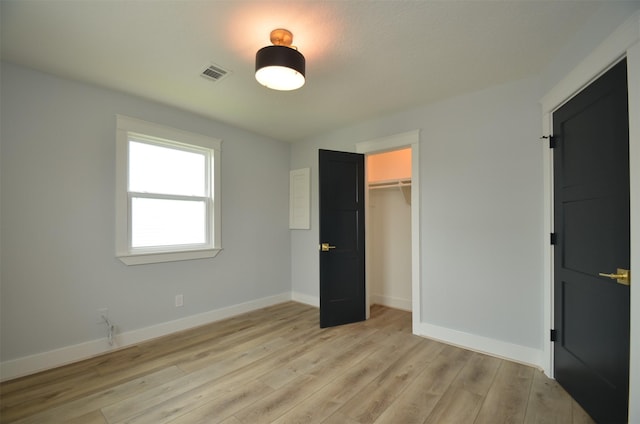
<point>389,232</point>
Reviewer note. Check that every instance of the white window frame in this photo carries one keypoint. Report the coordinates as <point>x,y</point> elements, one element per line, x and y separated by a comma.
<point>137,130</point>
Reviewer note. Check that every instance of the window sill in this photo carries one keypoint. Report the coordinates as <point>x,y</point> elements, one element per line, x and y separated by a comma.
<point>152,258</point>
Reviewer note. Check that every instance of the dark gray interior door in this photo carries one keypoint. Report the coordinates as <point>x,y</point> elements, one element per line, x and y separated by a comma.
<point>591,219</point>
<point>342,265</point>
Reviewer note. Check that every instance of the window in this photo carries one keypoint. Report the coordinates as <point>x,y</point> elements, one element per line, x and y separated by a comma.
<point>167,193</point>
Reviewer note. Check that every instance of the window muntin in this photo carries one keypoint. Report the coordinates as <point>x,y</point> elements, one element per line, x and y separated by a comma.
<point>167,194</point>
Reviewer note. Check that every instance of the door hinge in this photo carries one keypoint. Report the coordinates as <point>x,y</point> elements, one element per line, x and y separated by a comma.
<point>554,335</point>
<point>552,140</point>
<point>553,239</point>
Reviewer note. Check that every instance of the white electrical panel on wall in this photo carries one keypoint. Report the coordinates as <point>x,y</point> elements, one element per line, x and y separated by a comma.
<point>299,199</point>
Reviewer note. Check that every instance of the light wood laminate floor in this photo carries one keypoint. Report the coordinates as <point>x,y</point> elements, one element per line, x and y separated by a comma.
<point>276,365</point>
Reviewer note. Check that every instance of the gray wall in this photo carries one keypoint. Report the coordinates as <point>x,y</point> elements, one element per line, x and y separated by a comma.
<point>481,217</point>
<point>58,263</point>
<point>591,34</point>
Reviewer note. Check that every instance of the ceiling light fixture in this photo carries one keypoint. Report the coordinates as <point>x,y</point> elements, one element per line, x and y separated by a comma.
<point>280,66</point>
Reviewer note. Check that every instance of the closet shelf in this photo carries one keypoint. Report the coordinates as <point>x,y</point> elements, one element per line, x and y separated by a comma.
<point>403,184</point>
<point>390,183</point>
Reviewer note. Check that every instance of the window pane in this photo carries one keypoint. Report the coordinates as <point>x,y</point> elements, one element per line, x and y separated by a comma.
<point>158,169</point>
<point>161,222</point>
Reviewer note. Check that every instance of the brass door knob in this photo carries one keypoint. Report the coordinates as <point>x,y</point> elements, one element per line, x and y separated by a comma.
<point>622,276</point>
<point>325,247</point>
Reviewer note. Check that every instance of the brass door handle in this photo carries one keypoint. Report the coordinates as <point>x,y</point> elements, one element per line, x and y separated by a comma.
<point>622,276</point>
<point>325,247</point>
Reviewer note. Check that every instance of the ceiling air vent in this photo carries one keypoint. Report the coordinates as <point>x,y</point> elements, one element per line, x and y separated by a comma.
<point>215,73</point>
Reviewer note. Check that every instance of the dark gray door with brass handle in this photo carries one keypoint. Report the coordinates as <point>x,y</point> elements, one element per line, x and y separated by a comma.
<point>591,256</point>
<point>342,266</point>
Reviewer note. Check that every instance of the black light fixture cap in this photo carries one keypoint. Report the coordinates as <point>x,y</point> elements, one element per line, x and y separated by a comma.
<point>280,56</point>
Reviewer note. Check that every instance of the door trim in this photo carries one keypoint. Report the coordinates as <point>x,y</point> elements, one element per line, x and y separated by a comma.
<point>394,142</point>
<point>625,41</point>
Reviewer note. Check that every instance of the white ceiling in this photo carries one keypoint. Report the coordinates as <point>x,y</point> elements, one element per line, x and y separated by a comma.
<point>364,58</point>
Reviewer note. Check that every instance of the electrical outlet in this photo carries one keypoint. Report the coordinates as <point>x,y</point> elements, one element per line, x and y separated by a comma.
<point>100,313</point>
<point>179,300</point>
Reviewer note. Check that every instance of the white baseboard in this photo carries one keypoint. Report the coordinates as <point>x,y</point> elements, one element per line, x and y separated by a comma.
<point>392,302</point>
<point>513,352</point>
<point>42,361</point>
<point>306,299</point>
